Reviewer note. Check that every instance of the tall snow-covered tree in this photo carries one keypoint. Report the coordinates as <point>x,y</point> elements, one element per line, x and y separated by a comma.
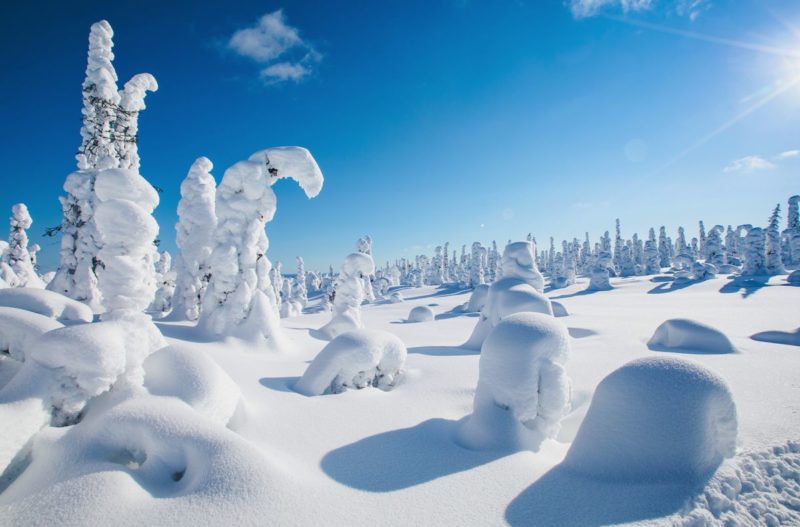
<point>19,258</point>
<point>194,236</point>
<point>754,253</point>
<point>792,232</point>
<point>299,289</point>
<point>664,259</point>
<point>237,301</point>
<point>715,254</point>
<point>651,263</point>
<point>774,261</point>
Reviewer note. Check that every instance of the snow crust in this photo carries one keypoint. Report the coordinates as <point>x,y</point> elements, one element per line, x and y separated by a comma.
<point>47,303</point>
<point>355,359</point>
<point>656,419</point>
<point>690,335</point>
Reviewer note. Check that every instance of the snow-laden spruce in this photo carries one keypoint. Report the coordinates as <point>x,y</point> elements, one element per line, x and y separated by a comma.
<point>349,295</point>
<point>355,359</point>
<point>165,280</point>
<point>520,289</point>
<point>240,300</point>
<point>523,390</point>
<point>194,236</point>
<point>19,257</point>
<point>656,419</point>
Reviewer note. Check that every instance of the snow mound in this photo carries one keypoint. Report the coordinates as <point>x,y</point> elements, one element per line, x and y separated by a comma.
<point>47,303</point>
<point>194,378</point>
<point>558,309</point>
<point>779,337</point>
<point>355,359</point>
<point>478,298</point>
<point>421,314</point>
<point>18,328</point>
<point>794,277</point>
<point>690,335</point>
<point>757,488</point>
<point>656,419</point>
<point>396,297</point>
<point>146,461</point>
<point>523,390</point>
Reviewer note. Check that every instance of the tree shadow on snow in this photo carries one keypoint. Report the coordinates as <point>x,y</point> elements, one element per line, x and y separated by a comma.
<point>181,332</point>
<point>582,292</point>
<point>456,312</point>
<point>779,337</point>
<point>673,284</point>
<point>561,498</point>
<point>747,285</point>
<point>403,458</point>
<point>579,333</point>
<point>444,290</point>
<point>279,384</point>
<point>443,351</point>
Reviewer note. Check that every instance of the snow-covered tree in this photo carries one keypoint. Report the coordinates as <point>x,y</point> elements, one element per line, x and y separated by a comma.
<point>239,300</point>
<point>299,289</point>
<point>651,263</point>
<point>774,261</point>
<point>126,124</point>
<point>663,248</point>
<point>194,235</point>
<point>754,253</point>
<point>792,232</point>
<point>19,258</point>
<point>364,245</point>
<point>476,266</point>
<point>165,279</point>
<point>349,295</point>
<point>715,254</point>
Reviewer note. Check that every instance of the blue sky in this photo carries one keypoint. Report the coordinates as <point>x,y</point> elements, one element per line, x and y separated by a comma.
<point>433,121</point>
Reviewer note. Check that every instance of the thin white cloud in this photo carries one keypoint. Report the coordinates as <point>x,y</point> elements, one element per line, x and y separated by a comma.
<point>748,164</point>
<point>278,45</point>
<point>690,9</point>
<point>789,154</point>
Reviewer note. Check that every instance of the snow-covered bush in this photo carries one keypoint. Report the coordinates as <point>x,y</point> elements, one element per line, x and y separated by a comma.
<point>656,419</point>
<point>46,303</point>
<point>194,235</point>
<point>18,328</point>
<point>478,298</point>
<point>349,295</point>
<point>420,314</point>
<point>240,300</point>
<point>195,379</point>
<point>19,259</point>
<point>682,333</point>
<point>355,359</point>
<point>599,275</point>
<point>520,289</point>
<point>523,390</point>
<point>703,271</point>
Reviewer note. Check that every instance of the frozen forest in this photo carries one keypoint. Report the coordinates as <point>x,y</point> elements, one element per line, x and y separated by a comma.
<point>613,377</point>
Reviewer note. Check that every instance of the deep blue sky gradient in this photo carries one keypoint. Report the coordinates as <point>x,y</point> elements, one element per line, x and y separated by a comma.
<point>432,120</point>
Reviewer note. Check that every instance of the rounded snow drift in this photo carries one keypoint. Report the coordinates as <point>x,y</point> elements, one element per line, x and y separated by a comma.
<point>47,303</point>
<point>523,390</point>
<point>656,419</point>
<point>558,309</point>
<point>478,298</point>
<point>794,277</point>
<point>689,335</point>
<point>420,314</point>
<point>396,297</point>
<point>356,359</point>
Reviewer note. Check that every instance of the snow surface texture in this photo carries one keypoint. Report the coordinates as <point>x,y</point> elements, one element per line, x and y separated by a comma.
<point>519,290</point>
<point>689,335</point>
<point>523,390</point>
<point>195,379</point>
<point>349,295</point>
<point>241,300</point>
<point>18,328</point>
<point>656,419</point>
<point>47,303</point>
<point>355,359</point>
<point>420,314</point>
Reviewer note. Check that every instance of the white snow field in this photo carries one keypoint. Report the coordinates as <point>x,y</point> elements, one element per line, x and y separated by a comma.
<point>219,435</point>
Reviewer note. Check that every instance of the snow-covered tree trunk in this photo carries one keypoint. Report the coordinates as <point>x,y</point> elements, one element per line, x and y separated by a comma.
<point>236,302</point>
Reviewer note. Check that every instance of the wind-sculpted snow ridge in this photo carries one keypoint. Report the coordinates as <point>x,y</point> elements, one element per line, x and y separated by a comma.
<point>689,335</point>
<point>523,390</point>
<point>519,290</point>
<point>754,488</point>
<point>656,419</point>
<point>355,359</point>
<point>420,314</point>
<point>147,461</point>
<point>195,379</point>
<point>46,303</point>
<point>18,328</point>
